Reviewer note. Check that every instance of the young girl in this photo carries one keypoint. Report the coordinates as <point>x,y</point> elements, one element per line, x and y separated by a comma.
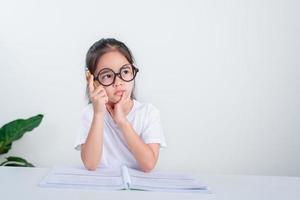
<point>117,129</point>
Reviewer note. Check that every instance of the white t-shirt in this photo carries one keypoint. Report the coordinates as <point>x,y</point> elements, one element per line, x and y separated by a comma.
<point>145,120</point>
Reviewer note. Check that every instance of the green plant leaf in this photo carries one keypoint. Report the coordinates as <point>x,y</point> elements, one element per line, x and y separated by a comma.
<point>16,161</point>
<point>15,130</point>
<point>14,165</point>
<point>5,148</point>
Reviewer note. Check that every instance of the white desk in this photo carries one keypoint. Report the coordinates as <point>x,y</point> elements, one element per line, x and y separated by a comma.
<point>21,183</point>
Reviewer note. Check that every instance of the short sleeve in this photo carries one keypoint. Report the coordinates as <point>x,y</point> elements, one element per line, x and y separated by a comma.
<point>153,131</point>
<point>84,127</point>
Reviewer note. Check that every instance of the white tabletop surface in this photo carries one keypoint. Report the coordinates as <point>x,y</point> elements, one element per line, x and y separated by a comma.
<point>21,183</point>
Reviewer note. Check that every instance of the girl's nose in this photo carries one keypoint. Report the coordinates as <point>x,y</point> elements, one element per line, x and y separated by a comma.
<point>118,81</point>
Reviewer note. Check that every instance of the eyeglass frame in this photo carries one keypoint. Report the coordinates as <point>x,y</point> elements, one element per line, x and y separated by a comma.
<point>135,71</point>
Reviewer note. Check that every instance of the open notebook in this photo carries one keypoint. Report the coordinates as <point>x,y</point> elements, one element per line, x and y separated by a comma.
<point>123,179</point>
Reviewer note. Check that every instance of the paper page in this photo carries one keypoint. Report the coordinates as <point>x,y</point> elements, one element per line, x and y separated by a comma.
<point>62,177</point>
<point>165,181</point>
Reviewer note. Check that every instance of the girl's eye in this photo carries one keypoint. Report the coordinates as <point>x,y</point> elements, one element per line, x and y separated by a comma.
<point>106,76</point>
<point>125,71</point>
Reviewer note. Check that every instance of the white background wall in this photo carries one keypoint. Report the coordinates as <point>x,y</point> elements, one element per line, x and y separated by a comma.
<point>225,75</point>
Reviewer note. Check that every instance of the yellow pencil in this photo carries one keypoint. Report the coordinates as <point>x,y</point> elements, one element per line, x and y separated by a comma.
<point>88,74</point>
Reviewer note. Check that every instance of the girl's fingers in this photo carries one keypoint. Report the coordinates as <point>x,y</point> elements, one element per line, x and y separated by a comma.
<point>98,91</point>
<point>123,97</point>
<point>128,96</point>
<point>91,84</point>
<point>98,94</point>
<point>106,99</point>
<point>99,88</point>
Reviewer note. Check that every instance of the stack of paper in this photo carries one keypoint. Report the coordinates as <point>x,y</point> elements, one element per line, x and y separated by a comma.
<point>124,178</point>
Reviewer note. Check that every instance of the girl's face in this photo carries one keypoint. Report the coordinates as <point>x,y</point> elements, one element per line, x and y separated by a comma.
<point>115,60</point>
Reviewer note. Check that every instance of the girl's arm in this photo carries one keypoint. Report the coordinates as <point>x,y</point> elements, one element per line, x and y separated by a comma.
<point>145,154</point>
<point>91,150</point>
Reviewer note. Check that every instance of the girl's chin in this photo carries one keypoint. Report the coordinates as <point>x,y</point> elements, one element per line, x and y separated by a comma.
<point>114,100</point>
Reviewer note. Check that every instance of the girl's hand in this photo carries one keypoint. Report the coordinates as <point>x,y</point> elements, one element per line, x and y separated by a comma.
<point>117,111</point>
<point>98,96</point>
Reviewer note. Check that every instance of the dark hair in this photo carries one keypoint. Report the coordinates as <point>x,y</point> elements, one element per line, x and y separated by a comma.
<point>102,47</point>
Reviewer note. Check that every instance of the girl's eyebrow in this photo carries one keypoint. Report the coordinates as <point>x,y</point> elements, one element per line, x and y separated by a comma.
<point>105,70</point>
<point>125,66</point>
<point>108,68</point>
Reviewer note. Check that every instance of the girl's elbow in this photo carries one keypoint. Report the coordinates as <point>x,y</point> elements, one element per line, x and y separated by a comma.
<point>90,167</point>
<point>90,164</point>
<point>148,167</point>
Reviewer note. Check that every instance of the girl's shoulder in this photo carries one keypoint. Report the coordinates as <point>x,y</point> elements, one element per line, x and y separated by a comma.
<point>144,107</point>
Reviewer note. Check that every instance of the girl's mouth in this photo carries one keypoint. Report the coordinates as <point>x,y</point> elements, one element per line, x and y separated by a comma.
<point>119,92</point>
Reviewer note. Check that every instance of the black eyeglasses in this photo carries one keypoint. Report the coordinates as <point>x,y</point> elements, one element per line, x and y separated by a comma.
<point>107,76</point>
